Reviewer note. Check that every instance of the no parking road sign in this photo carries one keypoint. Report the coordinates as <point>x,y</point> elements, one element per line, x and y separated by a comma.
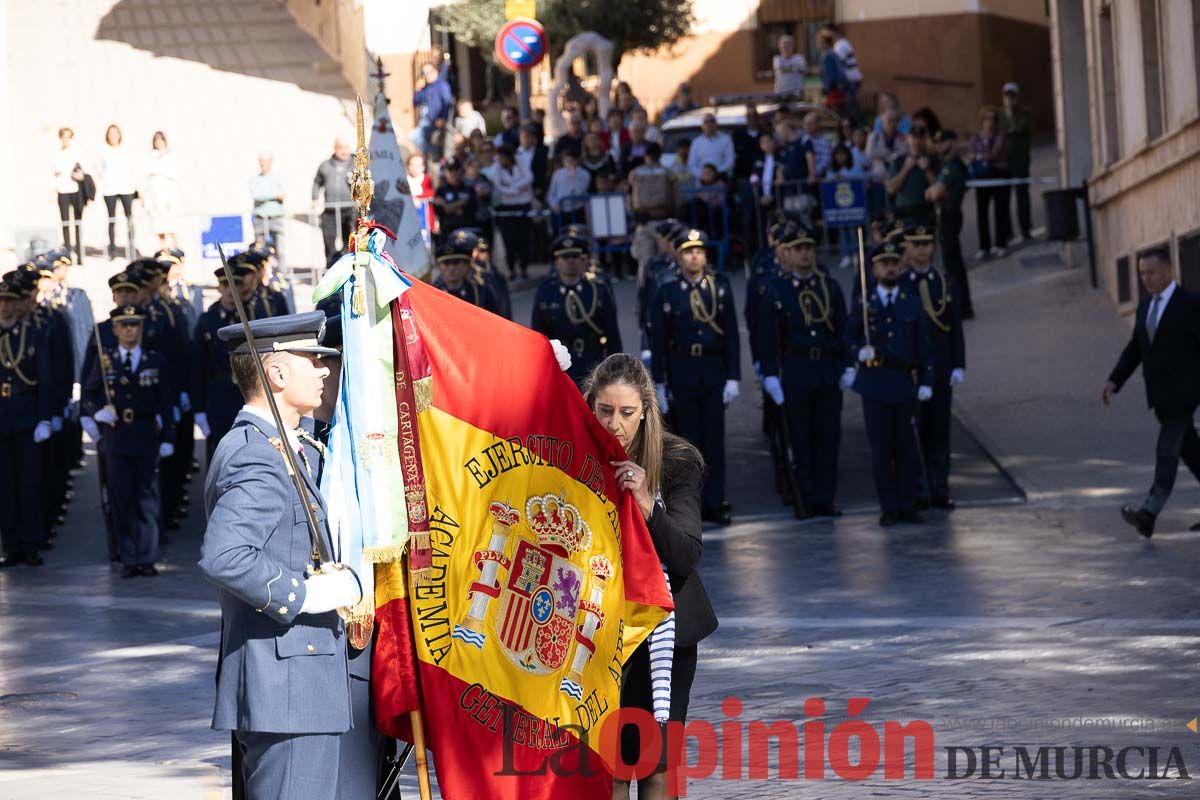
<point>521,44</point>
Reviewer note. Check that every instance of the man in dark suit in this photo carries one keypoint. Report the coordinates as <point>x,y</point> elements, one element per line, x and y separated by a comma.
<point>1166,343</point>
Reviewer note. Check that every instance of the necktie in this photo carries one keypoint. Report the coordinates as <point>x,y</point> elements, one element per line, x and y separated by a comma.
<point>127,365</point>
<point>1152,317</point>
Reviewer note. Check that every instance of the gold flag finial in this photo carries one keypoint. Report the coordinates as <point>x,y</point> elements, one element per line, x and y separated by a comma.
<point>362,189</point>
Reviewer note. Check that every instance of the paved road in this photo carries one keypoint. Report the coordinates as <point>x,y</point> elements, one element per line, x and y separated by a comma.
<point>1001,624</point>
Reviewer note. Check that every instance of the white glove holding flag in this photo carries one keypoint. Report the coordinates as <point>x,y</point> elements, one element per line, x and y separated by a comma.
<point>730,393</point>
<point>956,377</point>
<point>773,389</point>
<point>848,378</point>
<point>661,390</point>
<point>561,355</point>
<point>166,450</point>
<point>90,428</point>
<point>42,432</point>
<point>866,354</point>
<point>327,591</point>
<point>106,416</point>
<point>924,393</point>
<point>202,424</point>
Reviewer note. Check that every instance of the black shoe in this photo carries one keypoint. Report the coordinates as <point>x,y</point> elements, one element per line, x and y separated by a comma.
<point>721,517</point>
<point>911,517</point>
<point>922,505</point>
<point>130,572</point>
<point>34,560</point>
<point>944,503</point>
<point>149,570</point>
<point>1139,518</point>
<point>827,510</point>
<point>888,519</point>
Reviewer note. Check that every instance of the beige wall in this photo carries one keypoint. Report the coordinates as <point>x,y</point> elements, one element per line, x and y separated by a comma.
<point>337,25</point>
<point>868,10</point>
<point>1179,50</point>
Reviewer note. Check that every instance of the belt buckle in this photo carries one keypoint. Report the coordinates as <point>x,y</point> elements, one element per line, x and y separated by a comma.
<point>814,353</point>
<point>127,416</point>
<point>5,390</point>
<point>697,349</point>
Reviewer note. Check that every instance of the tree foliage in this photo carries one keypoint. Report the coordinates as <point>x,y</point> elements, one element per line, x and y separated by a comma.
<point>632,25</point>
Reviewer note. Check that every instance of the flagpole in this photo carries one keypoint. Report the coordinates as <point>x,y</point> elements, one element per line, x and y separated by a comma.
<point>362,189</point>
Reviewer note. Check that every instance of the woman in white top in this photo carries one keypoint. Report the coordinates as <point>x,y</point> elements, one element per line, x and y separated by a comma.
<point>162,190</point>
<point>514,198</point>
<point>789,67</point>
<point>116,181</point>
<point>68,172</point>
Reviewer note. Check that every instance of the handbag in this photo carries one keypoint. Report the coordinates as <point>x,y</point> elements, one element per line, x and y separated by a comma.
<point>87,186</point>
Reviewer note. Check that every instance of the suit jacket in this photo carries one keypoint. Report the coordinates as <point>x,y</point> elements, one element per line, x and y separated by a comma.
<point>675,529</point>
<point>1171,363</point>
<point>900,336</point>
<point>279,671</point>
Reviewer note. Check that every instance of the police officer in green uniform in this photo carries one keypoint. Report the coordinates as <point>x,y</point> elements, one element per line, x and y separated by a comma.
<point>695,360</point>
<point>939,302</point>
<point>910,178</point>
<point>948,192</point>
<point>577,307</point>
<point>457,276</point>
<point>802,325</point>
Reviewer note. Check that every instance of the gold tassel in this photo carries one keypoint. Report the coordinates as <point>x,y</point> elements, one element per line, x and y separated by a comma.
<point>420,541</point>
<point>384,554</point>
<point>423,394</point>
<point>358,300</point>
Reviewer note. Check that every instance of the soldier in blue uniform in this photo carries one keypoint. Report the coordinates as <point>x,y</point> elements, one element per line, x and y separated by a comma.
<point>178,286</point>
<point>651,273</point>
<point>765,266</point>
<point>128,393</point>
<point>75,303</point>
<point>26,377</point>
<point>283,684</point>
<point>802,327</point>
<point>260,301</point>
<point>577,307</point>
<point>481,262</point>
<point>456,275</point>
<point>215,396</point>
<point>695,360</point>
<point>279,288</point>
<point>894,373</point>
<point>939,300</point>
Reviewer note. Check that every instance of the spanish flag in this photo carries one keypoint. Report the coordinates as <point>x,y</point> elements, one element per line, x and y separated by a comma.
<point>542,577</point>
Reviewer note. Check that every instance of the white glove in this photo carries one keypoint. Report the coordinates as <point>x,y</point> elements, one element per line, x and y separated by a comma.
<point>561,355</point>
<point>42,432</point>
<point>645,356</point>
<point>56,423</point>
<point>848,378</point>
<point>924,393</point>
<point>166,450</point>
<point>661,390</point>
<point>772,387</point>
<point>956,376</point>
<point>866,354</point>
<point>327,591</point>
<point>758,370</point>
<point>202,424</point>
<point>185,402</point>
<point>731,392</point>
<point>175,414</point>
<point>89,426</point>
<point>106,416</point>
<point>76,392</point>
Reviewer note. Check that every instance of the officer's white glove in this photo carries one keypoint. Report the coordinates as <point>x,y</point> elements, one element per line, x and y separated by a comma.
<point>758,370</point>
<point>56,423</point>
<point>106,416</point>
<point>661,390</point>
<point>89,426</point>
<point>42,432</point>
<point>866,354</point>
<point>773,389</point>
<point>76,392</point>
<point>166,450</point>
<point>645,356</point>
<point>924,393</point>
<point>730,393</point>
<point>561,355</point>
<point>327,591</point>
<point>848,377</point>
<point>202,424</point>
<point>185,402</point>
<point>175,413</point>
<point>956,377</point>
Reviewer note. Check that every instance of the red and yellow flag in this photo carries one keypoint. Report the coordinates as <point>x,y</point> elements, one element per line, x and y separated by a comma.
<point>542,579</point>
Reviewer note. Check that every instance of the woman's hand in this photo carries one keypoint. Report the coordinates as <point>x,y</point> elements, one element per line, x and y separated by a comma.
<point>632,477</point>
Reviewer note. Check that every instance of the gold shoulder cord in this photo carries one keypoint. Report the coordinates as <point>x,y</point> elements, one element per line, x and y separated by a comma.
<point>12,361</point>
<point>935,314</point>
<point>700,310</point>
<point>809,298</point>
<point>577,314</point>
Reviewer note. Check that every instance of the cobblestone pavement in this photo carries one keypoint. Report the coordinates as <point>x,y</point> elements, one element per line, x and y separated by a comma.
<point>1002,624</point>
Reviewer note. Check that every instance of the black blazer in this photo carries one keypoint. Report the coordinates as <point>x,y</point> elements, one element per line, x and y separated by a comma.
<point>1171,363</point>
<point>675,532</point>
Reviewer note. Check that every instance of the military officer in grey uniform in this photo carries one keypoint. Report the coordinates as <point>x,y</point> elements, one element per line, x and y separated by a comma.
<point>283,683</point>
